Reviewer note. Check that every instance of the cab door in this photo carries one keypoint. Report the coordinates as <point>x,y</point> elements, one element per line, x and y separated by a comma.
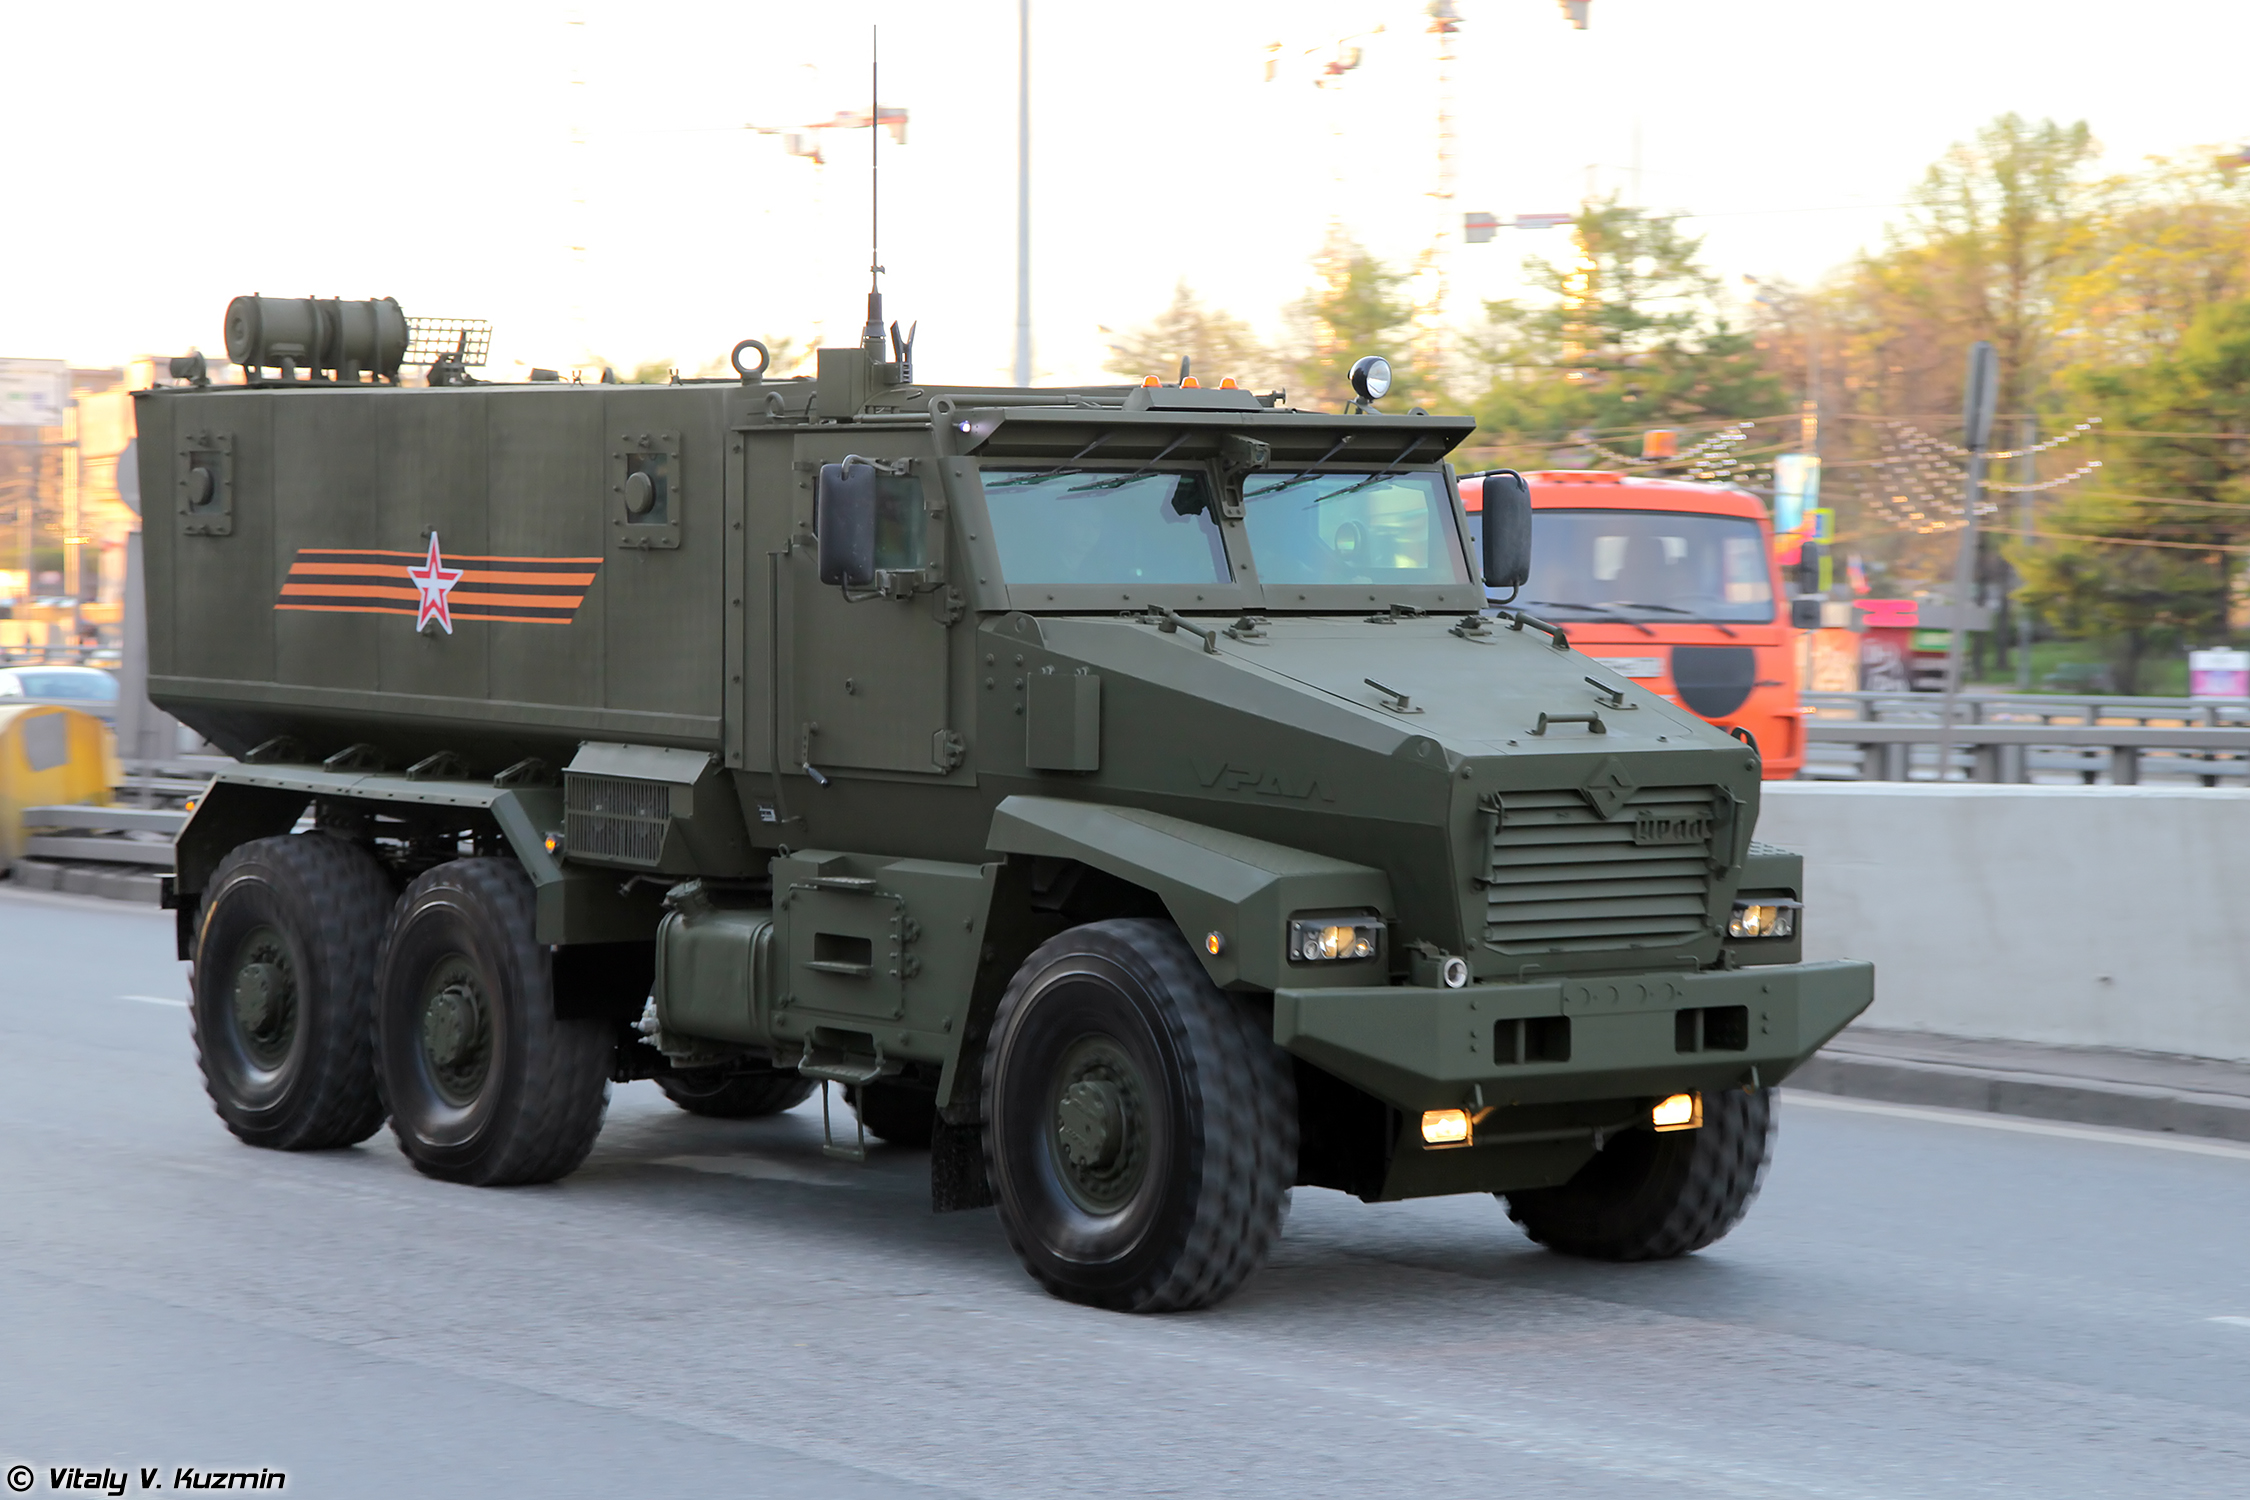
<point>866,667</point>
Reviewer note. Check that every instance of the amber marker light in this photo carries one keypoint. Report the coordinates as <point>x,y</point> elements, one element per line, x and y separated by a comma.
<point>1150,380</point>
<point>1214,943</point>
<point>1190,383</point>
<point>554,842</point>
<point>1228,384</point>
<point>1680,1112</point>
<point>1445,1127</point>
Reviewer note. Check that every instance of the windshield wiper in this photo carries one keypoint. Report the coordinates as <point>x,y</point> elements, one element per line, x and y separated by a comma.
<point>1673,609</point>
<point>1397,464</point>
<point>1600,609</point>
<point>1001,484</point>
<point>1111,484</point>
<point>1302,474</point>
<point>1069,465</point>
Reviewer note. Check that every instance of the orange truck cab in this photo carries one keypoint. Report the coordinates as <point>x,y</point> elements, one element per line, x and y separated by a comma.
<point>1674,585</point>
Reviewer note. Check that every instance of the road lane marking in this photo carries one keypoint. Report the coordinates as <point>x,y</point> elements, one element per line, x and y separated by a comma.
<point>2233,1320</point>
<point>2192,1145</point>
<point>156,1000</point>
<point>757,1167</point>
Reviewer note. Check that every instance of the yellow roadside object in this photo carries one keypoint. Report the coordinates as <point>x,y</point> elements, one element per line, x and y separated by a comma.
<point>50,755</point>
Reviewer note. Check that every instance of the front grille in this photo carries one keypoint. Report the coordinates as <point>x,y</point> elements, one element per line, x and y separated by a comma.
<point>1566,880</point>
<point>611,817</point>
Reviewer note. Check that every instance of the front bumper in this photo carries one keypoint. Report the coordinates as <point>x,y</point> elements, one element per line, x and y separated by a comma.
<point>1600,1037</point>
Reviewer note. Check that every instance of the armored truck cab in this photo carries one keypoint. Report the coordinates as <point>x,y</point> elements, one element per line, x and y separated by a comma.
<point>1119,790</point>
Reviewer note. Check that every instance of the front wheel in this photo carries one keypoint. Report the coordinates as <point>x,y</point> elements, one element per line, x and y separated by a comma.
<point>1141,1126</point>
<point>485,1084</point>
<point>1647,1196</point>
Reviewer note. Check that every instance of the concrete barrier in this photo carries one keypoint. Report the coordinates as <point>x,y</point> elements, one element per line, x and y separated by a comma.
<point>2104,916</point>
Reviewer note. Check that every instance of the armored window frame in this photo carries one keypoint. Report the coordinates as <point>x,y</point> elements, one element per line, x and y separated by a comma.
<point>1245,591</point>
<point>1235,593</point>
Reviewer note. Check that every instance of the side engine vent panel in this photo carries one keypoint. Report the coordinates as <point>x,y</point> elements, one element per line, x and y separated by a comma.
<point>612,818</point>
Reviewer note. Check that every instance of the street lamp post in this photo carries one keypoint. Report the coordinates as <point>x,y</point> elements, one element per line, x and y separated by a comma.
<point>1023,192</point>
<point>1977,400</point>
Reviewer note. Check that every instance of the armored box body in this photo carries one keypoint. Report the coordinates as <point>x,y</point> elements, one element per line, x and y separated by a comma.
<point>283,592</point>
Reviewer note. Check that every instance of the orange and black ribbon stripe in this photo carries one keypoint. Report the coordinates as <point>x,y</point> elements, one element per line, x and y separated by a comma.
<point>523,590</point>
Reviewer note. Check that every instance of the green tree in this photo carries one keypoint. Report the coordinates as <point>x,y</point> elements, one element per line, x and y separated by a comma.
<point>1997,229</point>
<point>1218,344</point>
<point>2159,244</point>
<point>1357,306</point>
<point>1630,332</point>
<point>2140,572</point>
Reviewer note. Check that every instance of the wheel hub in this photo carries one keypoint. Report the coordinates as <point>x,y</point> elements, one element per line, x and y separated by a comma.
<point>1090,1122</point>
<point>258,996</point>
<point>456,1036</point>
<point>263,1000</point>
<point>446,1025</point>
<point>1099,1126</point>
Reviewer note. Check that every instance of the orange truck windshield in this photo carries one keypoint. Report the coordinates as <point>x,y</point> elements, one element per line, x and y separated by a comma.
<point>1659,566</point>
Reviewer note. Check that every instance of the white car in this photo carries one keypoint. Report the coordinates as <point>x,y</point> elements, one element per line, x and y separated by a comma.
<point>73,685</point>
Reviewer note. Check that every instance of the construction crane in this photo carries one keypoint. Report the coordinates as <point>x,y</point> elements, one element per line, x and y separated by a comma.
<point>1432,338</point>
<point>808,140</point>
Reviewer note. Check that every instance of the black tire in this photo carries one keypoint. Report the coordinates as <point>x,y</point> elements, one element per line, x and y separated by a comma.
<point>484,1084</point>
<point>1647,1196</point>
<point>282,988</point>
<point>735,1096</point>
<point>1140,1126</point>
<point>902,1116</point>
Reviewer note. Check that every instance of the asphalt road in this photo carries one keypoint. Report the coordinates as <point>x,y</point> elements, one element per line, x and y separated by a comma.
<point>1920,1304</point>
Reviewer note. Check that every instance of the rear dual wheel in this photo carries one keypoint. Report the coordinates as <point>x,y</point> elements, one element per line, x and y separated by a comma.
<point>1141,1125</point>
<point>484,1084</point>
<point>283,989</point>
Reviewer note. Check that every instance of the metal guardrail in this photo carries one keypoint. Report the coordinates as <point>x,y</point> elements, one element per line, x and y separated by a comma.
<point>2002,752</point>
<point>2008,738</point>
<point>136,830</point>
<point>2043,708</point>
<point>103,835</point>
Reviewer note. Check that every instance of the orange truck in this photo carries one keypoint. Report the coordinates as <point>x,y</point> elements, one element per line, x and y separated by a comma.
<point>1674,585</point>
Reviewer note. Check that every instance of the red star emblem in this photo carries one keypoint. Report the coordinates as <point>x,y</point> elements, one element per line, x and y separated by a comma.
<point>434,580</point>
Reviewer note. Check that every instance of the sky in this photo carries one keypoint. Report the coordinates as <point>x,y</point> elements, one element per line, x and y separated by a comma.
<point>580,174</point>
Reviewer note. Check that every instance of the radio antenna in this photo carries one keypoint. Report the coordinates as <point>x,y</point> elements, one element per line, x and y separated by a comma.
<point>871,337</point>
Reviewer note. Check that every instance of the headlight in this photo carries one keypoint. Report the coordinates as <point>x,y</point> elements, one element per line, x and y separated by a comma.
<point>1315,940</point>
<point>1764,919</point>
<point>1445,1127</point>
<point>1680,1112</point>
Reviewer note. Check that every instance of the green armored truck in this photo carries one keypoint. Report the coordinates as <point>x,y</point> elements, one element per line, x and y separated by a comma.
<point>1124,792</point>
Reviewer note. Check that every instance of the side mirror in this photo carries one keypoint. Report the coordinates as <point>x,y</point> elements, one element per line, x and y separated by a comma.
<point>844,523</point>
<point>1804,612</point>
<point>1507,530</point>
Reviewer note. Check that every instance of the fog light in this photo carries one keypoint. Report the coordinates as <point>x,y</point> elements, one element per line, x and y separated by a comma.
<point>1763,919</point>
<point>1315,940</point>
<point>1680,1112</point>
<point>1445,1127</point>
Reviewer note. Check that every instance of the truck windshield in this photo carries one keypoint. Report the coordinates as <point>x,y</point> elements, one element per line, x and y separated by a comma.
<point>1352,529</point>
<point>1081,526</point>
<point>1645,563</point>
